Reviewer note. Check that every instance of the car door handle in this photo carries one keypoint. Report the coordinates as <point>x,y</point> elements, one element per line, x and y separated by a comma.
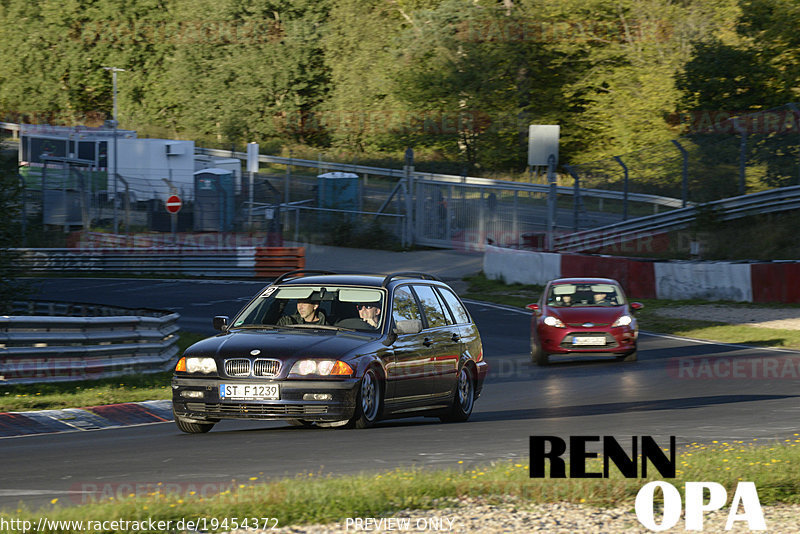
<point>427,342</point>
<point>455,337</point>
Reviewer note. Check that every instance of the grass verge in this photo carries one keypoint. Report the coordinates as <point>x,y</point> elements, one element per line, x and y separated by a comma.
<point>307,499</point>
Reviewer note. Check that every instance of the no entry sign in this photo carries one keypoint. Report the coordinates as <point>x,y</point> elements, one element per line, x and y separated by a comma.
<point>174,204</point>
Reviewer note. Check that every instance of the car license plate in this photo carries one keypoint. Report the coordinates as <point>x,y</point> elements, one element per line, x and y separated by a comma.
<point>588,340</point>
<point>249,392</point>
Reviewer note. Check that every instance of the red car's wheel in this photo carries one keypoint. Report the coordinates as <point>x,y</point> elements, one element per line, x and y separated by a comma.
<point>538,356</point>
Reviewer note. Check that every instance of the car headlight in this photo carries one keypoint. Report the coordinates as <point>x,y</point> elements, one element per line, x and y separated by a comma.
<point>321,368</point>
<point>553,321</point>
<point>201,365</point>
<point>624,320</point>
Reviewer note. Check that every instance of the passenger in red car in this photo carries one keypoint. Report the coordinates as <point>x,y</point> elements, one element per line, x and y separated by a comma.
<point>602,299</point>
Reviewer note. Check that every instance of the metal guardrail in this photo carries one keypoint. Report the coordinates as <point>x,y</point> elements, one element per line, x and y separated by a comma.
<point>245,262</point>
<point>46,342</point>
<point>774,200</point>
<point>11,126</point>
<point>446,178</point>
<point>239,261</point>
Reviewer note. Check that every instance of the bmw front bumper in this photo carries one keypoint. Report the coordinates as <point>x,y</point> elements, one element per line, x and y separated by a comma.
<point>309,400</point>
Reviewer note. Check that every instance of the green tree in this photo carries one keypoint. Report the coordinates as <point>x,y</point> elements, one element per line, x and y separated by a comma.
<point>476,81</point>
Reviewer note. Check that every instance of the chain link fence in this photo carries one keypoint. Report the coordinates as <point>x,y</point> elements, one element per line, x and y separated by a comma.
<point>722,154</point>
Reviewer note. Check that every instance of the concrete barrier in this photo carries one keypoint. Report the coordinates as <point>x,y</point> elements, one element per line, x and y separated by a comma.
<point>646,278</point>
<point>520,266</point>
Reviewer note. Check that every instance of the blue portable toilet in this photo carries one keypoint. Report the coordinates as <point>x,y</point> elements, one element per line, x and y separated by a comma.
<point>213,200</point>
<point>338,191</point>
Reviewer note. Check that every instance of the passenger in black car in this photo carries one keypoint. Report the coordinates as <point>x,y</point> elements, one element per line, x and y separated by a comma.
<point>308,312</point>
<point>370,313</point>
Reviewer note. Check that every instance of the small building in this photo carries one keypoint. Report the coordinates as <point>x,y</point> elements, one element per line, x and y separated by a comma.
<point>338,190</point>
<point>234,165</point>
<point>214,205</point>
<point>157,168</point>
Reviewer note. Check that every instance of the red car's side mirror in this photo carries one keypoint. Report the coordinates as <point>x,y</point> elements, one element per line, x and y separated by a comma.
<point>534,307</point>
<point>636,306</point>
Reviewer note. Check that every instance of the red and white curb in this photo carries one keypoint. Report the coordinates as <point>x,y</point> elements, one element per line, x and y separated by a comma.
<point>14,424</point>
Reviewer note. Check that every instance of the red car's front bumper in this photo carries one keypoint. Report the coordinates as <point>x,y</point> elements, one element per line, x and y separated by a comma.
<point>619,340</point>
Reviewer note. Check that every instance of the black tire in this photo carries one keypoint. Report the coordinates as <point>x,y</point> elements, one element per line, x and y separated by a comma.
<point>538,356</point>
<point>368,400</point>
<point>191,427</point>
<point>630,357</point>
<point>535,350</point>
<point>463,397</point>
<point>300,422</point>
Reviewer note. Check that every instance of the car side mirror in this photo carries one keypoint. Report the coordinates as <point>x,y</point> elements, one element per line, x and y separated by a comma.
<point>636,306</point>
<point>534,307</point>
<point>408,326</point>
<point>221,323</point>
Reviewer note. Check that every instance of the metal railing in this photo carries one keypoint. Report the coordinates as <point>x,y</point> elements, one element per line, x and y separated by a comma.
<point>443,210</point>
<point>48,342</point>
<point>774,200</point>
<point>239,262</point>
<point>668,202</point>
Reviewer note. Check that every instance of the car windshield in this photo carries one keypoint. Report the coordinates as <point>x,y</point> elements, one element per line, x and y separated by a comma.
<point>577,295</point>
<point>296,306</point>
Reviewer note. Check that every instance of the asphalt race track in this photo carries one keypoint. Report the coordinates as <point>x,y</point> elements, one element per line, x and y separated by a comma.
<point>667,392</point>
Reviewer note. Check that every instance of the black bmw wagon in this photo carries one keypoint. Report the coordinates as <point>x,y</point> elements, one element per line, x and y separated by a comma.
<point>330,349</point>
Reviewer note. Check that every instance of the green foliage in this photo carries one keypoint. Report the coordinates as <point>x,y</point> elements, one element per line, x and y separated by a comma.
<point>458,81</point>
<point>762,237</point>
<point>346,232</point>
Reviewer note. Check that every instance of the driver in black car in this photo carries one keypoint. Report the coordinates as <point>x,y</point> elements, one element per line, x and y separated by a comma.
<point>308,312</point>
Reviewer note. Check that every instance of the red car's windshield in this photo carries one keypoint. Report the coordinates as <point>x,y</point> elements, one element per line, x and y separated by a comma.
<point>575,295</point>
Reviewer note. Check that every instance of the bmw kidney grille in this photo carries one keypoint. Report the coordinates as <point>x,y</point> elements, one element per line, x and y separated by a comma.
<point>260,367</point>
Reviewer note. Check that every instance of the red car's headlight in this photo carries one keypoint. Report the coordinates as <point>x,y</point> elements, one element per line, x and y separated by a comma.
<point>624,320</point>
<point>553,321</point>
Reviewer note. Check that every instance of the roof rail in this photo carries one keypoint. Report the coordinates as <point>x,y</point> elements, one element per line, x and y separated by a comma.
<point>299,272</point>
<point>410,274</point>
